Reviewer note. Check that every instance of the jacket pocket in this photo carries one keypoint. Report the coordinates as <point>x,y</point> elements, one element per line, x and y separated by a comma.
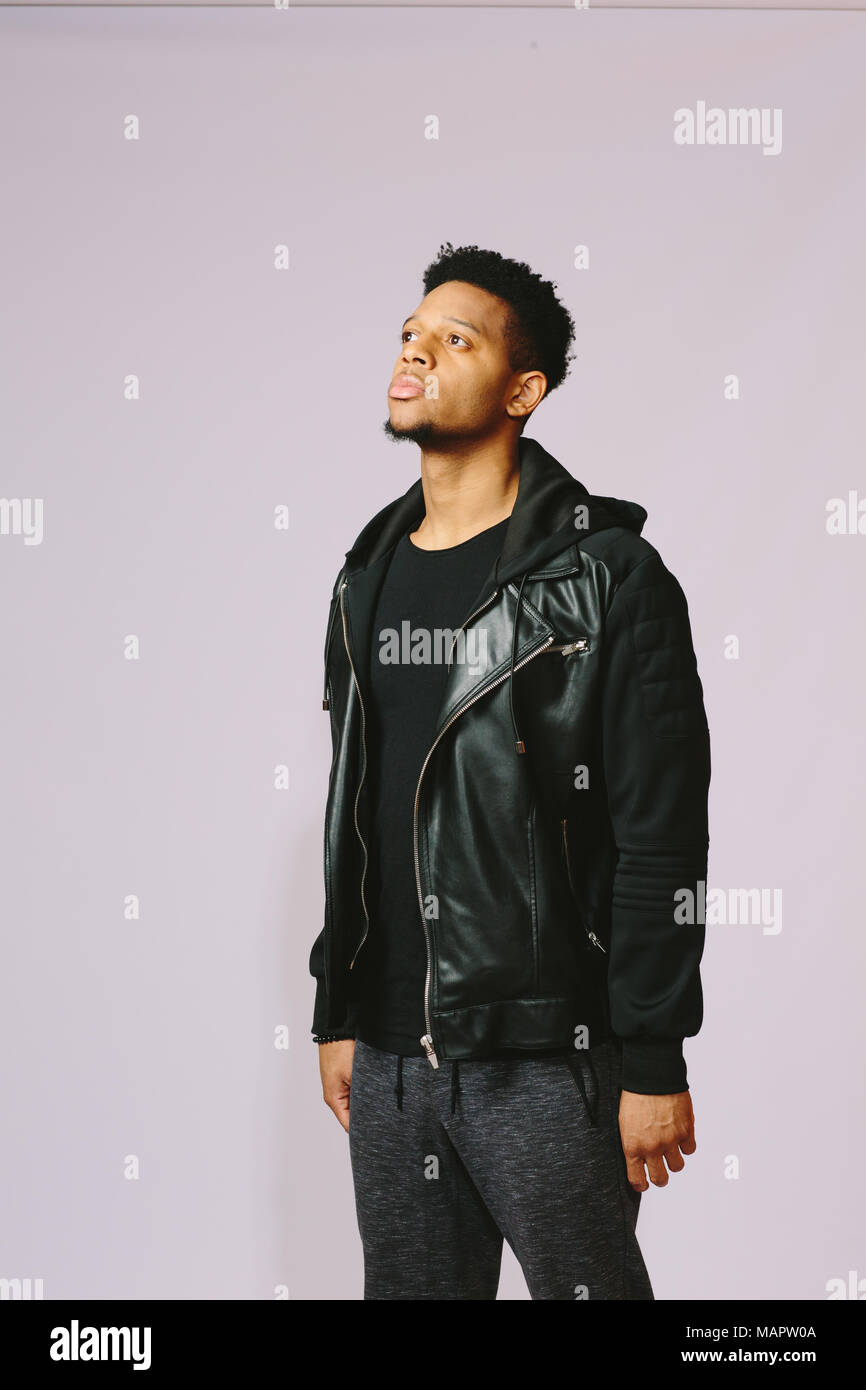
<point>585,1079</point>
<point>590,935</point>
<point>577,644</point>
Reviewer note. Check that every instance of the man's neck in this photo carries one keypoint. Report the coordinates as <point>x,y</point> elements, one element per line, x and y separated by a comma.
<point>466,492</point>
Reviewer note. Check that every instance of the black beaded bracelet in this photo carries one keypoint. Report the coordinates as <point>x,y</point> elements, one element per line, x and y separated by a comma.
<point>332,1037</point>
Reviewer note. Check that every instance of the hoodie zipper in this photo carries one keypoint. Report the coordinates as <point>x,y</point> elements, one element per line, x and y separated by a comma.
<point>427,1039</point>
<point>591,934</point>
<point>363,773</point>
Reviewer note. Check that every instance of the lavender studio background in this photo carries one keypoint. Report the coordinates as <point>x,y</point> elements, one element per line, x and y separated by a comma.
<point>158,1141</point>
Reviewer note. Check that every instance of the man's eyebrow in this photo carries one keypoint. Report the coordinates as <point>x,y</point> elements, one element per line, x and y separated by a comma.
<point>449,318</point>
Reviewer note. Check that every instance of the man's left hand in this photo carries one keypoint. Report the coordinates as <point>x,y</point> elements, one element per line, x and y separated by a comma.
<point>655,1130</point>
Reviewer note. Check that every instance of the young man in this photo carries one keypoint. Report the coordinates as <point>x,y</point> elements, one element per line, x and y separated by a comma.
<point>516,831</point>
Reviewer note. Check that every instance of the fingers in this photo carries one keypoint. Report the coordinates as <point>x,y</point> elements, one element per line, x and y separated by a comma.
<point>636,1174</point>
<point>639,1164</point>
<point>659,1175</point>
<point>340,1107</point>
<point>655,1131</point>
<point>674,1159</point>
<point>335,1067</point>
<point>339,1103</point>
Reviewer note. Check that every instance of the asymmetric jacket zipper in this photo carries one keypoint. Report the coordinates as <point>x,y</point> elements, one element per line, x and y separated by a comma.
<point>427,1039</point>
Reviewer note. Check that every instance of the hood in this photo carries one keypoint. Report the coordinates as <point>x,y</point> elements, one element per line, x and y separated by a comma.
<point>541,524</point>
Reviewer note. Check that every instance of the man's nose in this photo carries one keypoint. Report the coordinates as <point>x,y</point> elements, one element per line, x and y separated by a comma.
<point>416,352</point>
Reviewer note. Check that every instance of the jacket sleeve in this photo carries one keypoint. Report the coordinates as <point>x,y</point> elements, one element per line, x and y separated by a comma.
<point>345,1027</point>
<point>323,1026</point>
<point>656,749</point>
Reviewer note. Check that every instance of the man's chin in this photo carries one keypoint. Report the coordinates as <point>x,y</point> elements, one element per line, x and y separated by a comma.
<point>423,433</point>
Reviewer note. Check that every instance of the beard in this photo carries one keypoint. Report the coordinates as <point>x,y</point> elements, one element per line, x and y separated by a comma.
<point>424,433</point>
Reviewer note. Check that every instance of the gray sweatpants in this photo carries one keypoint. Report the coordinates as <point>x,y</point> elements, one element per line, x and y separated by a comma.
<point>447,1162</point>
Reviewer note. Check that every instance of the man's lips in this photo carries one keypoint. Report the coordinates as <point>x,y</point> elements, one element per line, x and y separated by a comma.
<point>404,387</point>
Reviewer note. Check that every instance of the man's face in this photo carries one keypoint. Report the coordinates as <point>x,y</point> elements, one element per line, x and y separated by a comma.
<point>451,380</point>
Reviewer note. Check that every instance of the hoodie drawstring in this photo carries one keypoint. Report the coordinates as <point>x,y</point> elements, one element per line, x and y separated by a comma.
<point>519,745</point>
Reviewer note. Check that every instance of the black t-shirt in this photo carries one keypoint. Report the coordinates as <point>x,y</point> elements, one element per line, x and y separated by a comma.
<point>426,590</point>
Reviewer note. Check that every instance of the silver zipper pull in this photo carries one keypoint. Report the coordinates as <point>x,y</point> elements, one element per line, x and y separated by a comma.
<point>427,1044</point>
<point>592,936</point>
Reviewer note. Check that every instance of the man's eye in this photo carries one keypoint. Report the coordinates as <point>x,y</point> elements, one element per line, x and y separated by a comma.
<point>407,331</point>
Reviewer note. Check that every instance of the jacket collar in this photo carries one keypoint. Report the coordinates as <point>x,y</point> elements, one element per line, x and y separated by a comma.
<point>541,540</point>
<point>542,524</point>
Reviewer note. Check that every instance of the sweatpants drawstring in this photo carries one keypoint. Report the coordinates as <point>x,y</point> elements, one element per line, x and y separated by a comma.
<point>399,1087</point>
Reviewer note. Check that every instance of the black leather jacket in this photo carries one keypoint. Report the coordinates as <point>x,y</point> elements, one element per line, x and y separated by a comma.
<point>560,822</point>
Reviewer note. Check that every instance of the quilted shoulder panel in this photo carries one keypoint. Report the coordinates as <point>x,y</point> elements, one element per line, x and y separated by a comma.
<point>661,633</point>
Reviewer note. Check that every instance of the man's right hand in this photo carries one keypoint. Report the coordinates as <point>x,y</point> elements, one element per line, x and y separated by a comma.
<point>335,1067</point>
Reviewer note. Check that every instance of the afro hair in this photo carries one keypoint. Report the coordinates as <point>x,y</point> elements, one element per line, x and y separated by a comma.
<point>539,329</point>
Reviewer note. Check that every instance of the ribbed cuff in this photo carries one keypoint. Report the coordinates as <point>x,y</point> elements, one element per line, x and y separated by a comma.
<point>653,1066</point>
<point>323,1025</point>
